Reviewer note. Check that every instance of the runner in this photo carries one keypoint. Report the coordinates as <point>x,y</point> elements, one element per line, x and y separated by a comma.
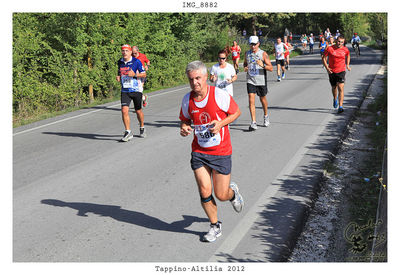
<point>322,47</point>
<point>256,63</point>
<point>331,41</point>
<point>339,60</point>
<point>337,34</point>
<point>145,63</point>
<point>130,70</point>
<point>311,40</point>
<point>223,73</point>
<point>321,35</point>
<point>327,33</point>
<point>304,41</point>
<point>235,50</point>
<point>280,58</point>
<point>288,49</point>
<point>355,42</point>
<point>211,110</point>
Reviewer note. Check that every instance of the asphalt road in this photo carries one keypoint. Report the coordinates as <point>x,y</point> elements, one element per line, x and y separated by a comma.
<point>79,195</point>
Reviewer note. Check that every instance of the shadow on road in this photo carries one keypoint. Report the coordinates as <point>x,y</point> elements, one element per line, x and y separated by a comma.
<point>129,216</point>
<point>85,135</point>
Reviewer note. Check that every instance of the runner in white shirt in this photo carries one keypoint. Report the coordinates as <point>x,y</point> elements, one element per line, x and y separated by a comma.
<point>223,73</point>
<point>280,58</point>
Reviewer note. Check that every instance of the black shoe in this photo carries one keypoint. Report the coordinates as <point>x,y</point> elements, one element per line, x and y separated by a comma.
<point>340,110</point>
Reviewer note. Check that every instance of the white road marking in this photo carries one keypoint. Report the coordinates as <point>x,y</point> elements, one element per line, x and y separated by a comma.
<point>88,113</point>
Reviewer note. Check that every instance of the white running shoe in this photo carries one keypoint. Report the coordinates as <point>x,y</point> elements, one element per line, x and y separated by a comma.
<point>253,126</point>
<point>266,121</point>
<point>238,202</point>
<point>128,135</point>
<point>142,132</point>
<point>214,232</point>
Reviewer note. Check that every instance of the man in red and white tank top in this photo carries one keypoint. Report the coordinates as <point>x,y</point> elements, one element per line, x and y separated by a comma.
<point>235,50</point>
<point>210,110</point>
<point>288,48</point>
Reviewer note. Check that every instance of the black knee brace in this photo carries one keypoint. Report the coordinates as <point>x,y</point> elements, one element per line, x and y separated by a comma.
<point>204,200</point>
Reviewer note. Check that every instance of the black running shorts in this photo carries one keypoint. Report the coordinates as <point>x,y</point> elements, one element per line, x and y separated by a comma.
<point>221,164</point>
<point>335,78</point>
<point>280,62</point>
<point>136,97</point>
<point>259,90</point>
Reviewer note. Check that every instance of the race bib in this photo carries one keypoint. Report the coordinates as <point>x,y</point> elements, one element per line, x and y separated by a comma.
<point>205,138</point>
<point>222,85</point>
<point>253,71</point>
<point>129,83</point>
<point>234,54</point>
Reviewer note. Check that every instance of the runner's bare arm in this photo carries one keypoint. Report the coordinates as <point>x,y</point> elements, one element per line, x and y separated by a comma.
<point>267,62</point>
<point>228,120</point>
<point>348,62</point>
<point>245,64</point>
<point>186,129</point>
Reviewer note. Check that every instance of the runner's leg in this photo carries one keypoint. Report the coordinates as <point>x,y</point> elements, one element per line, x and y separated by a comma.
<point>334,92</point>
<point>140,117</point>
<point>221,186</point>
<point>203,179</point>
<point>341,93</point>
<point>264,103</point>
<point>252,106</point>
<point>125,117</point>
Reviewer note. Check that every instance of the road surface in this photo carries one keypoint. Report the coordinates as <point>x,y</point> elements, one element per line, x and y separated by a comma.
<point>79,195</point>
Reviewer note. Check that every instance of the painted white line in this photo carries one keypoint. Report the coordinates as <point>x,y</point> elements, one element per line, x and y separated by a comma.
<point>88,113</point>
<point>244,225</point>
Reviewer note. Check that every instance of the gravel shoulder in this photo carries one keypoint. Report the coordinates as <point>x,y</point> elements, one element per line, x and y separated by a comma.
<point>331,233</point>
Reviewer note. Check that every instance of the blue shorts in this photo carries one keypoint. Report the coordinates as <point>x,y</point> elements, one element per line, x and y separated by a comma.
<point>221,164</point>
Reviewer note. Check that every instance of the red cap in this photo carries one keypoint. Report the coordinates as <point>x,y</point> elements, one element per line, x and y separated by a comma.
<point>126,46</point>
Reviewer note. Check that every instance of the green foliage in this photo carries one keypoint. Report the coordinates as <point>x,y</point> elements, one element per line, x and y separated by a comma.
<point>378,26</point>
<point>58,56</point>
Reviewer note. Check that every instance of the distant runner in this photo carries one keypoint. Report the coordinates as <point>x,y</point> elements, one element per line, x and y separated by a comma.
<point>145,63</point>
<point>223,73</point>
<point>339,60</point>
<point>311,45</point>
<point>288,49</point>
<point>256,64</point>
<point>130,71</point>
<point>280,58</point>
<point>236,50</point>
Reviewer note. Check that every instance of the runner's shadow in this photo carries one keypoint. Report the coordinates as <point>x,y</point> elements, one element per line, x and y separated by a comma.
<point>128,216</point>
<point>84,135</point>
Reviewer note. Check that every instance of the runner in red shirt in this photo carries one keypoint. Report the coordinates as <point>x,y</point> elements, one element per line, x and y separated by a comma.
<point>146,63</point>
<point>235,50</point>
<point>288,48</point>
<point>211,110</point>
<point>339,60</point>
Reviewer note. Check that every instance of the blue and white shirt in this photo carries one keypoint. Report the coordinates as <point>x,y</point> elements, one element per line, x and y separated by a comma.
<point>130,84</point>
